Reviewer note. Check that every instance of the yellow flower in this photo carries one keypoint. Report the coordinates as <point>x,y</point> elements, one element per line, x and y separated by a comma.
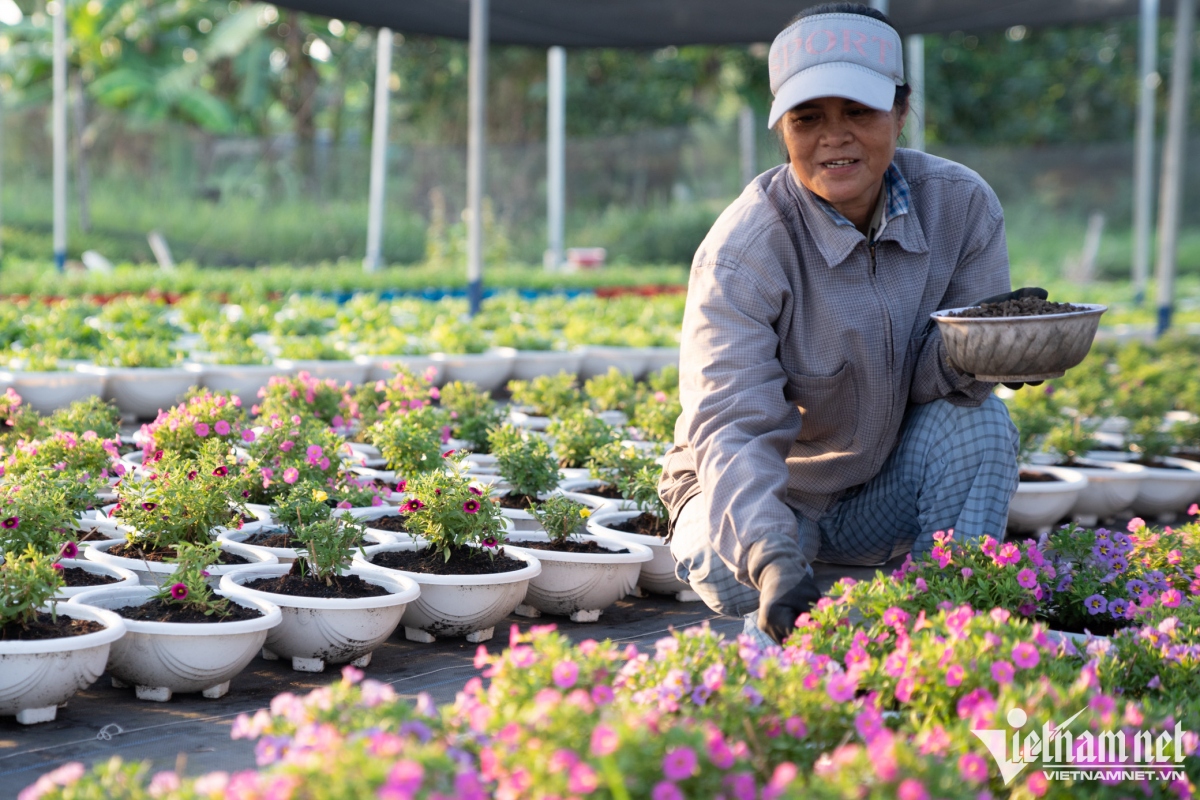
<point>319,495</point>
<point>585,512</point>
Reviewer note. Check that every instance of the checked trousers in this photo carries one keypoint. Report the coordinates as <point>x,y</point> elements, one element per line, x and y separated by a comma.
<point>953,467</point>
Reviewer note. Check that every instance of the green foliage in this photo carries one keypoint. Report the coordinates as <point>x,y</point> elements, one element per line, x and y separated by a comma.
<point>642,488</point>
<point>28,580</point>
<point>524,462</point>
<point>577,434</point>
<point>92,414</point>
<point>188,585</point>
<point>1035,413</point>
<point>411,442</point>
<point>305,396</point>
<point>655,415</point>
<point>17,420</point>
<point>39,512</point>
<point>303,504</point>
<point>613,391</point>
<point>546,395</point>
<point>472,414</point>
<point>561,517</point>
<point>328,547</point>
<point>617,461</point>
<point>446,510</point>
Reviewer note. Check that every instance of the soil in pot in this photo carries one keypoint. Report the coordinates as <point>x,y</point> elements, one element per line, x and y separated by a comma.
<point>462,561</point>
<point>273,538</point>
<point>1188,456</point>
<point>74,577</point>
<point>93,535</point>
<point>1156,464</point>
<point>588,548</point>
<point>1100,625</point>
<point>164,554</point>
<point>645,523</point>
<point>342,587</point>
<point>607,491</point>
<point>45,626</point>
<point>521,502</point>
<point>1028,476</point>
<point>160,611</point>
<point>393,523</point>
<point>1025,307</point>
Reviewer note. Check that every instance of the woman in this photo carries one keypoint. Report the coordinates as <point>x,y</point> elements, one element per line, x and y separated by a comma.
<point>821,420</point>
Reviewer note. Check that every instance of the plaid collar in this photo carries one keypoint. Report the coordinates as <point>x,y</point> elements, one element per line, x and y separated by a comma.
<point>897,197</point>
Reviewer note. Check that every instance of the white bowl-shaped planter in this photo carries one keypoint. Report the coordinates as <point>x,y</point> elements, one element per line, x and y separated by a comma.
<point>658,358</point>
<point>286,555</point>
<point>143,391</point>
<point>458,605</point>
<point>161,658</point>
<point>579,490</point>
<point>243,380</point>
<point>96,520</point>
<point>38,676</point>
<point>124,577</point>
<point>597,360</point>
<point>157,573</point>
<point>1165,492</point>
<point>580,585</point>
<point>383,368</point>
<point>317,630</point>
<point>1112,487</point>
<point>529,364</point>
<point>658,574</point>
<point>617,419</point>
<point>340,371</point>
<point>1038,505</point>
<point>46,392</point>
<point>488,371</point>
<point>369,515</point>
<point>530,422</point>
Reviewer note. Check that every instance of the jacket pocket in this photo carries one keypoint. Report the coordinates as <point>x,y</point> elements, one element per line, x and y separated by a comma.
<point>828,406</point>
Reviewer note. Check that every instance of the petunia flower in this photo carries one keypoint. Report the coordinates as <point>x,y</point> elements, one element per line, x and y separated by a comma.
<point>221,427</point>
<point>471,506</point>
<point>679,763</point>
<point>11,522</point>
<point>149,506</point>
<point>1025,655</point>
<point>1095,604</point>
<point>489,541</point>
<point>179,591</point>
<point>291,475</point>
<point>220,472</point>
<point>201,429</point>
<point>69,550</point>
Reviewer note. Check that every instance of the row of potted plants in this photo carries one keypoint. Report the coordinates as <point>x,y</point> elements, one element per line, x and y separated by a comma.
<point>943,680</point>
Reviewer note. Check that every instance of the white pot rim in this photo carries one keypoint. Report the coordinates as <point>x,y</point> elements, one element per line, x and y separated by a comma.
<point>162,372</point>
<point>114,628</point>
<point>638,553</point>
<point>1069,480</point>
<point>374,358</point>
<point>212,369</point>
<point>9,374</point>
<point>261,556</point>
<point>401,588</point>
<point>136,595</point>
<point>238,537</point>
<point>491,354</point>
<point>1187,471</point>
<point>532,568</point>
<point>1097,468</point>
<point>128,577</point>
<point>597,524</point>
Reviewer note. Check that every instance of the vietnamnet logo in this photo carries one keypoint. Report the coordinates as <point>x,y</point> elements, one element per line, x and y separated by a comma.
<point>1106,755</point>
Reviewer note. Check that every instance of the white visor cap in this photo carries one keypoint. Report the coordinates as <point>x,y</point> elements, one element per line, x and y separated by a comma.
<point>835,55</point>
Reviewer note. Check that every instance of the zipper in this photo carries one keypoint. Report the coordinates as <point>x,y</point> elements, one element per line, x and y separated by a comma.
<point>871,250</point>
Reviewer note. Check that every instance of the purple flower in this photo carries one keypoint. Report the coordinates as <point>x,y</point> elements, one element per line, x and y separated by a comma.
<point>248,436</point>
<point>1095,604</point>
<point>149,506</point>
<point>1118,563</point>
<point>665,790</point>
<point>679,763</point>
<point>489,541</point>
<point>178,591</point>
<point>471,506</point>
<point>1137,587</point>
<point>69,550</point>
<point>1117,607</point>
<point>473,490</point>
<point>1002,672</point>
<point>11,522</point>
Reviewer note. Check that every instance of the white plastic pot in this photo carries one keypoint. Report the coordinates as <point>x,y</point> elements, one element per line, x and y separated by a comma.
<point>317,630</point>
<point>578,489</point>
<point>158,573</point>
<point>580,585</point>
<point>658,574</point>
<point>36,677</point>
<point>488,371</point>
<point>382,368</point>
<point>143,391</point>
<point>530,364</point>
<point>243,380</point>
<point>458,605</point>
<point>46,392</point>
<point>658,358</point>
<point>124,577</point>
<point>1112,487</point>
<point>1164,493</point>
<point>340,371</point>
<point>1038,505</point>
<point>161,658</point>
<point>598,359</point>
<point>528,421</point>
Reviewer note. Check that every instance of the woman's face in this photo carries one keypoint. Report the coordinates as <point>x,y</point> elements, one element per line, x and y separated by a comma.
<point>840,149</point>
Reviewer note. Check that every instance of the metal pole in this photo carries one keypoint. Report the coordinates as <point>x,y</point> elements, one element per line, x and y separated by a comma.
<point>1143,159</point>
<point>556,155</point>
<point>1173,163</point>
<point>59,125</point>
<point>746,144</point>
<point>476,149</point>
<point>916,101</point>
<point>379,135</point>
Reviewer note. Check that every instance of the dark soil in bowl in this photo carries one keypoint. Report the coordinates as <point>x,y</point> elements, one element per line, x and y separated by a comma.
<point>164,554</point>
<point>75,577</point>
<point>343,587</point>
<point>1028,476</point>
<point>92,535</point>
<point>1156,464</point>
<point>463,561</point>
<point>1188,456</point>
<point>161,611</point>
<point>1025,307</point>
<point>522,502</point>
<point>587,548</point>
<point>607,491</point>
<point>1100,625</point>
<point>393,523</point>
<point>46,627</point>
<point>273,538</point>
<point>645,524</point>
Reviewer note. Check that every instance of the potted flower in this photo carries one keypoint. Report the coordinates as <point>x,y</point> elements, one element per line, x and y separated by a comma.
<point>1044,494</point>
<point>181,636</point>
<point>644,524</point>
<point>90,414</point>
<point>582,574</point>
<point>231,362</point>
<point>35,632</point>
<point>1112,485</point>
<point>536,401</point>
<point>203,414</point>
<point>468,580</point>
<point>610,466</point>
<point>80,575</point>
<point>333,611</point>
<point>286,451</point>
<point>655,414</point>
<point>410,442</point>
<point>401,391</point>
<point>304,396</point>
<point>576,436</point>
<point>528,468</point>
<point>17,420</point>
<point>611,395</point>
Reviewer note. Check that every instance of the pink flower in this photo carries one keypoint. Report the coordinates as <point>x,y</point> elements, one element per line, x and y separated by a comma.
<point>68,550</point>
<point>314,453</point>
<point>604,740</point>
<point>248,436</point>
<point>954,675</point>
<point>1008,554</point>
<point>291,475</point>
<point>1193,509</point>
<point>287,445</point>
<point>665,790</point>
<point>582,779</point>
<point>602,694</point>
<point>1002,672</point>
<point>841,687</point>
<point>972,768</point>
<point>1037,783</point>
<point>1025,655</point>
<point>911,789</point>
<point>679,763</point>
<point>565,673</point>
<point>1135,525</point>
<point>1171,598</point>
<point>403,781</point>
<point>1027,578</point>
<point>179,591</point>
<point>967,572</point>
<point>222,428</point>
<point>201,429</point>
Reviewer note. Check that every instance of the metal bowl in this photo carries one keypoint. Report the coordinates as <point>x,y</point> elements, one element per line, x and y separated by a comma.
<point>1018,348</point>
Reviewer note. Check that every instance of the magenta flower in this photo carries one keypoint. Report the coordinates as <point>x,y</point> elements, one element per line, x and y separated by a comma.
<point>1025,655</point>
<point>840,687</point>
<point>220,472</point>
<point>564,674</point>
<point>178,591</point>
<point>191,476</point>
<point>248,436</point>
<point>1171,598</point>
<point>972,768</point>
<point>413,504</point>
<point>473,490</point>
<point>57,566</point>
<point>314,453</point>
<point>582,779</point>
<point>954,675</point>
<point>679,763</point>
<point>149,506</point>
<point>222,428</point>
<point>291,475</point>
<point>489,541</point>
<point>201,429</point>
<point>665,790</point>
<point>1002,673</point>
<point>11,522</point>
<point>403,780</point>
<point>1008,554</point>
<point>911,789</point>
<point>69,550</point>
<point>471,506</point>
<point>448,453</point>
<point>287,445</point>
<point>1027,578</point>
<point>604,740</point>
<point>967,572</point>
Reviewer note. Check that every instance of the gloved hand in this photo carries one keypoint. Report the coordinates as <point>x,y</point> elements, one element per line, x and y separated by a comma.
<point>1019,294</point>
<point>784,596</point>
